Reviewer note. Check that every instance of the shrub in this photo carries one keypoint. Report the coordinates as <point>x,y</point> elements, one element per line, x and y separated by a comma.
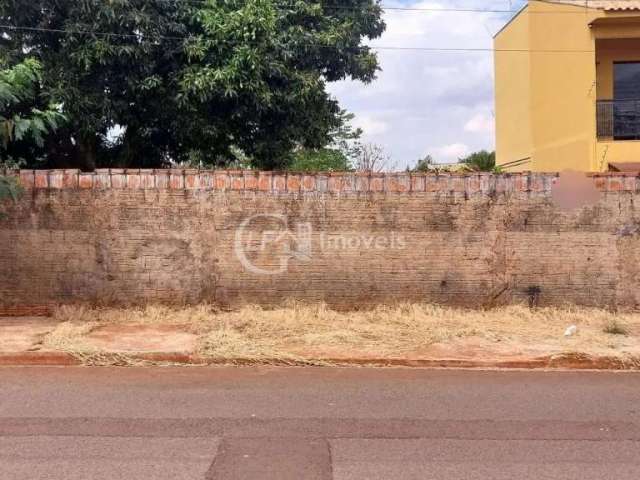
<point>613,327</point>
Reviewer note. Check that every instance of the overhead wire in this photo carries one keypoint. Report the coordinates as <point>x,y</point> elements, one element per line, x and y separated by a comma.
<point>316,45</point>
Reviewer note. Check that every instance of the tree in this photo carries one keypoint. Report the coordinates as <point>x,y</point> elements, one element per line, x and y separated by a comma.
<point>24,120</point>
<point>481,161</point>
<point>346,138</point>
<point>373,158</point>
<point>189,81</point>
<point>320,160</point>
<point>338,156</point>
<point>424,164</point>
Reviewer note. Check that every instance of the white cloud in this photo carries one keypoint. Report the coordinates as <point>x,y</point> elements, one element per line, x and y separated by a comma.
<point>423,99</point>
<point>480,123</point>
<point>451,152</point>
<point>370,125</point>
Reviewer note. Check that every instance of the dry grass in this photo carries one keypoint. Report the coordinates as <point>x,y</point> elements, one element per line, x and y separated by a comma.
<point>299,333</point>
<point>69,336</point>
<point>614,327</point>
<point>77,321</point>
<point>190,317</point>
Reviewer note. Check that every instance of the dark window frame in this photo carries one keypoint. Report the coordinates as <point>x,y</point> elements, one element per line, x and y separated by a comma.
<point>626,110</point>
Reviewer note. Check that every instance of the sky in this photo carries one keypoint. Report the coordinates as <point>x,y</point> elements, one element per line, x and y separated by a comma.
<point>436,103</point>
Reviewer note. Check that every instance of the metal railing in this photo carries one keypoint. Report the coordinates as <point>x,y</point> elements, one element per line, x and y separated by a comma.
<point>618,119</point>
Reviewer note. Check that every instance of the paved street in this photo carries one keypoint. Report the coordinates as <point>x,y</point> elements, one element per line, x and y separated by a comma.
<point>313,423</point>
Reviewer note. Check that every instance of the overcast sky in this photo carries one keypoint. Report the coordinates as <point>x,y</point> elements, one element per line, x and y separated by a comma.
<point>438,103</point>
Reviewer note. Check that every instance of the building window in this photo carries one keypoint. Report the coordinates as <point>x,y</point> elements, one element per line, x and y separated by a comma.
<point>626,100</point>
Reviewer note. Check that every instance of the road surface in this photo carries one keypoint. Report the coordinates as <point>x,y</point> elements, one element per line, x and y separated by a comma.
<point>316,423</point>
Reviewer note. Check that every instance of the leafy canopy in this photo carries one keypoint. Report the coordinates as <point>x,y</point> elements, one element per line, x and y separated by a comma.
<point>152,82</point>
<point>320,160</point>
<point>22,120</point>
<point>340,156</point>
<point>481,161</point>
<point>424,164</point>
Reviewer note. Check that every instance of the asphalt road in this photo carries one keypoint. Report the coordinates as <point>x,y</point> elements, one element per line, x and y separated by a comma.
<point>313,423</point>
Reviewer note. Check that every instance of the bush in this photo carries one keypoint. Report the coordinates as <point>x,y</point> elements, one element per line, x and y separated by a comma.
<point>321,160</point>
<point>614,327</point>
<point>482,161</point>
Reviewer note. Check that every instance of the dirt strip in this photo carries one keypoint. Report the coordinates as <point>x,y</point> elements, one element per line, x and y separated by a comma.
<point>411,335</point>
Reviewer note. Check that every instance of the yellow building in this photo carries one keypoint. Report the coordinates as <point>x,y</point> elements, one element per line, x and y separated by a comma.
<point>567,78</point>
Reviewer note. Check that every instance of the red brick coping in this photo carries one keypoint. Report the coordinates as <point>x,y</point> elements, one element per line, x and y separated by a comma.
<point>290,182</point>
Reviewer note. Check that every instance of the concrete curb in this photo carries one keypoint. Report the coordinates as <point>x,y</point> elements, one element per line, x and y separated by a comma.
<point>59,359</point>
<point>561,362</point>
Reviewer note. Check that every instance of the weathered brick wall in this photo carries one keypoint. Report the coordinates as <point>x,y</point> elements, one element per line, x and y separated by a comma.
<point>133,237</point>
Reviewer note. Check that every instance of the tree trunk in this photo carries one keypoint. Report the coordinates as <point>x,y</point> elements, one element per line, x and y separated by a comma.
<point>87,153</point>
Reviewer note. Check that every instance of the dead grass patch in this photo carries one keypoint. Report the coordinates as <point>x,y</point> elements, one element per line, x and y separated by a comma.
<point>614,327</point>
<point>190,317</point>
<point>299,333</point>
<point>68,336</point>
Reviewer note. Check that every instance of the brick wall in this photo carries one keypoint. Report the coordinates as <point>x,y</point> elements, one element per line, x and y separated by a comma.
<point>185,236</point>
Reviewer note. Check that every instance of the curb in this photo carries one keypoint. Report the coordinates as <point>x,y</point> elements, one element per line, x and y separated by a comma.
<point>560,362</point>
<point>38,359</point>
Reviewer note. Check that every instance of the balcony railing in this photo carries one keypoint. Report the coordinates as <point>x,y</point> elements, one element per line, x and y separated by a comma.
<point>618,119</point>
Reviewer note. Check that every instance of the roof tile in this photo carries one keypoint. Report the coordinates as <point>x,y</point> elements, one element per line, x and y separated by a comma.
<point>607,5</point>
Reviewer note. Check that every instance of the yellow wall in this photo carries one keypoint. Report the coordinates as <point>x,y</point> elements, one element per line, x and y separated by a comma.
<point>513,110</point>
<point>563,86</point>
<point>618,25</point>
<point>609,51</point>
<point>559,88</point>
<point>616,151</point>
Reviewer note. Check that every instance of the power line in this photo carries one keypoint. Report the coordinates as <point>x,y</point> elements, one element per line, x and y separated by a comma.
<point>370,47</point>
<point>582,8</point>
<point>382,6</point>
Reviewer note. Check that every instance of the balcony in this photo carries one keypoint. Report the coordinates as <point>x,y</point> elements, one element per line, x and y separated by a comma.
<point>618,119</point>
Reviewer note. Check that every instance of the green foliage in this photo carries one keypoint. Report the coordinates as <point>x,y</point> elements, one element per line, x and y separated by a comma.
<point>481,161</point>
<point>11,189</point>
<point>428,165</point>
<point>22,120</point>
<point>321,160</point>
<point>345,138</point>
<point>425,164</point>
<point>339,156</point>
<point>189,81</point>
